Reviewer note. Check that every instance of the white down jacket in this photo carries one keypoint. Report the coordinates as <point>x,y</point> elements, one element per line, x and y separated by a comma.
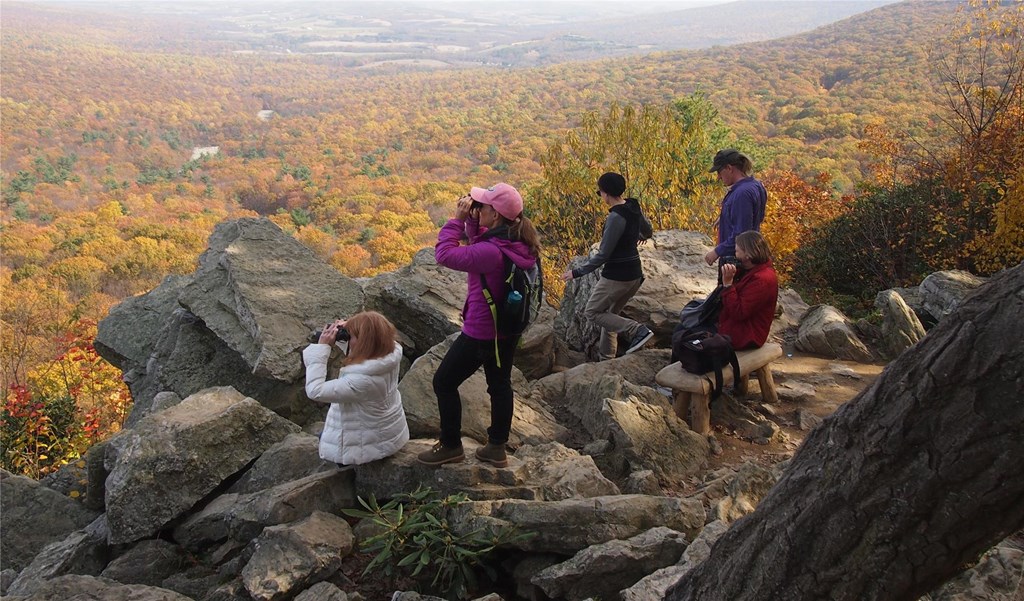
<point>366,421</point>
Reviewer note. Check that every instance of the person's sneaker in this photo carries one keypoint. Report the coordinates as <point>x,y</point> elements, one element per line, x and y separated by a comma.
<point>639,339</point>
<point>493,454</point>
<point>440,454</point>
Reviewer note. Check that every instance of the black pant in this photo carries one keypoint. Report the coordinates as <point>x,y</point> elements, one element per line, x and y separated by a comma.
<point>465,356</point>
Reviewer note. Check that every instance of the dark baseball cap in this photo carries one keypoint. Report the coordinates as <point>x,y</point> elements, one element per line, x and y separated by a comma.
<point>724,158</point>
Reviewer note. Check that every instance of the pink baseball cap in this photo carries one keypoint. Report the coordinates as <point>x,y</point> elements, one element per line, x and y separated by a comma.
<point>504,198</point>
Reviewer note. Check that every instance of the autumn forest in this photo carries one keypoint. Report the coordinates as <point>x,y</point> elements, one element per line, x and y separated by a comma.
<point>890,142</point>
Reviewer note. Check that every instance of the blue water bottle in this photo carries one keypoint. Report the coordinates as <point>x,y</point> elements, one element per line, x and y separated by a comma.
<point>513,300</point>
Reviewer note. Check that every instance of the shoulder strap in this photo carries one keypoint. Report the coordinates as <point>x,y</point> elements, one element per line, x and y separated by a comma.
<point>489,297</point>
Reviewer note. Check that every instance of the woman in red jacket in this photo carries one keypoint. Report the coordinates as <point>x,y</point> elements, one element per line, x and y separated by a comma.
<point>749,296</point>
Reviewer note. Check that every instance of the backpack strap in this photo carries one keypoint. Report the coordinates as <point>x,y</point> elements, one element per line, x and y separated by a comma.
<point>492,305</point>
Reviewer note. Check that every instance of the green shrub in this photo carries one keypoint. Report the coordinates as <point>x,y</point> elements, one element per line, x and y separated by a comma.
<point>414,539</point>
<point>881,242</point>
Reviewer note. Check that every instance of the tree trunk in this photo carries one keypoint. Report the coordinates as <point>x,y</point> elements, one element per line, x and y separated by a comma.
<point>905,485</point>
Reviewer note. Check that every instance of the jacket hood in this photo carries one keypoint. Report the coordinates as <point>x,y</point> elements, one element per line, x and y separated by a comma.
<point>377,367</point>
<point>517,251</point>
<point>632,205</point>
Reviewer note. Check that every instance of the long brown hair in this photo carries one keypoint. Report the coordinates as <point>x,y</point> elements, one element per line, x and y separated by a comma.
<point>376,337</point>
<point>522,229</point>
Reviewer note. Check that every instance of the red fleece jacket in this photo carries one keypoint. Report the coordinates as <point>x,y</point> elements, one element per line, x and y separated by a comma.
<point>748,307</point>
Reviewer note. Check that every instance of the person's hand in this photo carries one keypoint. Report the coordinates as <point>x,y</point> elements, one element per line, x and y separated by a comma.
<point>711,257</point>
<point>567,276</point>
<point>330,332</point>
<point>462,208</point>
<point>728,274</point>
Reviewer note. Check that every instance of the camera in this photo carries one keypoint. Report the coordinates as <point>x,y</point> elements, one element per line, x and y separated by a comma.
<point>731,261</point>
<point>343,336</point>
<point>476,205</point>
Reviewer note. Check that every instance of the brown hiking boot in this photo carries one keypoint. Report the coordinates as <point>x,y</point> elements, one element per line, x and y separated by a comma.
<point>493,454</point>
<point>440,454</point>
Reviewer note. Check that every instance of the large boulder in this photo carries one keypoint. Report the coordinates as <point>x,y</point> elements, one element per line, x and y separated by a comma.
<point>531,422</point>
<point>290,557</point>
<point>83,588</point>
<point>295,457</point>
<point>543,472</point>
<point>901,329</point>
<point>261,291</point>
<point>601,571</point>
<point>424,300</point>
<point>675,273</point>
<point>188,357</point>
<point>251,304</point>
<point>656,584</point>
<point>238,518</point>
<point>33,516</point>
<point>943,291</point>
<point>827,332</point>
<point>170,460</point>
<point>84,551</point>
<point>573,524</point>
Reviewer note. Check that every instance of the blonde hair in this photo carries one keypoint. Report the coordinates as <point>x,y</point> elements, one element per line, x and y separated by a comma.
<point>375,337</point>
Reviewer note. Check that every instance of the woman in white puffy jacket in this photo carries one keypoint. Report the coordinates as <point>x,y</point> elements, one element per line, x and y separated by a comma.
<point>366,421</point>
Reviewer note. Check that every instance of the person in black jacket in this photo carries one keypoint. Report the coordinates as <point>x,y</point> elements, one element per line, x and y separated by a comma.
<point>622,275</point>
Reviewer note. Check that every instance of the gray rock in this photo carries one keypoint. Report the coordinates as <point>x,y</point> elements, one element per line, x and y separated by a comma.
<point>800,392</point>
<point>573,524</point>
<point>188,358</point>
<point>413,596</point>
<point>148,562</point>
<point>196,582</point>
<point>602,570</point>
<point>84,551</point>
<point>548,471</point>
<point>170,460</point>
<point>652,437</point>
<point>943,291</point>
<point>807,420</point>
<point>675,273</point>
<point>535,356</point>
<point>827,332</point>
<point>91,588</point>
<point>423,299</point>
<point>295,457</point>
<point>163,400</point>
<point>290,557</point>
<point>655,585</point>
<point>532,420</point>
<point>998,575</point>
<point>642,482</point>
<point>901,329</point>
<point>262,292</point>
<point>7,576</point>
<point>241,518</point>
<point>32,516</point>
<point>322,591</point>
<point>789,311</point>
<point>751,483</point>
<point>127,335</point>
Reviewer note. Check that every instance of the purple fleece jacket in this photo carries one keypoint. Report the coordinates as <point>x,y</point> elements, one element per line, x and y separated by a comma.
<point>480,256</point>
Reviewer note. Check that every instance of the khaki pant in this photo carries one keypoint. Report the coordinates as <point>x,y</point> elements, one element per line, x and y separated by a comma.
<point>607,299</point>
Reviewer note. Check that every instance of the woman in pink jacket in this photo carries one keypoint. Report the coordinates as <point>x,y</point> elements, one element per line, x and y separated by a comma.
<point>493,222</point>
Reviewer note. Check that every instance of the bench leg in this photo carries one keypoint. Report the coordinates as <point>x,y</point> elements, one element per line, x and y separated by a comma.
<point>764,378</point>
<point>741,386</point>
<point>701,407</point>
<point>681,403</point>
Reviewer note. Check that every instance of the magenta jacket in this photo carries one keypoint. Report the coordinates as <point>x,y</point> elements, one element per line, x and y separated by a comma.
<point>482,255</point>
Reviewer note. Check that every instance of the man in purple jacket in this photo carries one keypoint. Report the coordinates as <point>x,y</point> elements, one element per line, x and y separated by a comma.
<point>743,206</point>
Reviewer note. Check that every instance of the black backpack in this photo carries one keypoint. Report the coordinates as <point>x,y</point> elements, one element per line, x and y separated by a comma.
<point>702,351</point>
<point>514,314</point>
<point>702,313</point>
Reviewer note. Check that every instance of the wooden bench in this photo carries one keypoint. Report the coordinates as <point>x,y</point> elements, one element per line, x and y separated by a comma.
<point>692,392</point>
